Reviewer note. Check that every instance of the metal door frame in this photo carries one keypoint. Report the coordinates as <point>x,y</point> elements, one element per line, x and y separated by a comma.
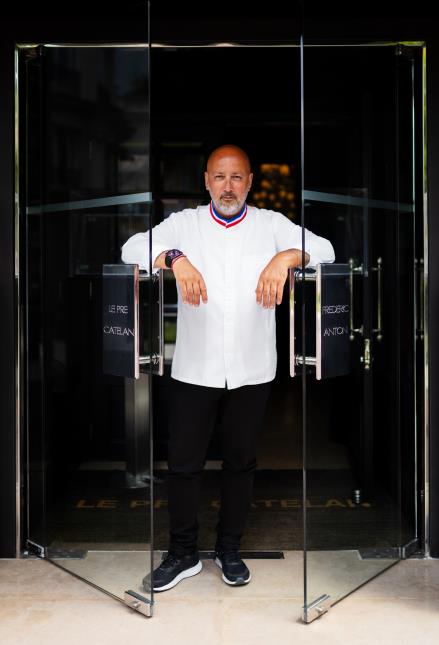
<point>21,48</point>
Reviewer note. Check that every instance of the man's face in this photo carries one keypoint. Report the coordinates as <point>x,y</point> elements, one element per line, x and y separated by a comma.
<point>228,181</point>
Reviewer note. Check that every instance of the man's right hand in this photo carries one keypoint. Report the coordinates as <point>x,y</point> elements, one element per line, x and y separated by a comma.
<point>190,281</point>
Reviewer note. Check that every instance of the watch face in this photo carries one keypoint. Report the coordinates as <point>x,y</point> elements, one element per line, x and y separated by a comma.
<point>171,255</point>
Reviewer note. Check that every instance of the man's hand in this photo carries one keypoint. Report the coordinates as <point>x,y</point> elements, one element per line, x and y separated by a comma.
<point>190,281</point>
<point>272,279</point>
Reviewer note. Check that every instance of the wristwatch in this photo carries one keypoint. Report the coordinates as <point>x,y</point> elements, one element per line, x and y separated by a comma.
<point>171,256</point>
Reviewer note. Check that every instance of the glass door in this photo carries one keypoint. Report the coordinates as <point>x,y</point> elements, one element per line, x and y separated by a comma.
<point>91,328</point>
<point>357,339</point>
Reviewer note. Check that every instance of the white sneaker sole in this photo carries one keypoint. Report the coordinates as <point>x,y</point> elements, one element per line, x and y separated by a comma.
<point>187,573</point>
<point>229,582</point>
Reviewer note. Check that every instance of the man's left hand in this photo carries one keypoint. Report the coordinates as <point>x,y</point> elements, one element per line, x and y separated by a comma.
<point>272,279</point>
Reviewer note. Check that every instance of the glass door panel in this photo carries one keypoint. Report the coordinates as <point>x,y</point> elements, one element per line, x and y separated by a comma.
<point>359,425</point>
<point>84,133</point>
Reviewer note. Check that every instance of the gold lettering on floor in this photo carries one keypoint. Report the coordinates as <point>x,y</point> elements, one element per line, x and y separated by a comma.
<point>290,503</point>
<point>112,504</point>
<point>82,504</point>
<point>107,503</point>
<point>139,503</point>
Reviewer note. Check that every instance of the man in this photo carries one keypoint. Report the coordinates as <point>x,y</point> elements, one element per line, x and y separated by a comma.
<point>230,263</point>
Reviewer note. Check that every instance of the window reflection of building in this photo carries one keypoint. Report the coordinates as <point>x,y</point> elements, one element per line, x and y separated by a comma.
<point>97,136</point>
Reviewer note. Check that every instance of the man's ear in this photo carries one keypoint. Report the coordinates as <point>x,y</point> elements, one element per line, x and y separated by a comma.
<point>206,180</point>
<point>250,180</point>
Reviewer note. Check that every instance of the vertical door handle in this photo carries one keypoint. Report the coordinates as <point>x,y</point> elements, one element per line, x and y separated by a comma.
<point>419,289</point>
<point>121,323</point>
<point>352,270</point>
<point>379,271</point>
<point>155,357</point>
<point>328,327</point>
<point>297,359</point>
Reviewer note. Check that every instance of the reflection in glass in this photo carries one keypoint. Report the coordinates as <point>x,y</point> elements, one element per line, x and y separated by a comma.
<point>89,433</point>
<point>360,506</point>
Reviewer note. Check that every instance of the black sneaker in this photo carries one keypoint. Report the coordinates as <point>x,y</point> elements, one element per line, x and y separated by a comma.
<point>171,570</point>
<point>234,570</point>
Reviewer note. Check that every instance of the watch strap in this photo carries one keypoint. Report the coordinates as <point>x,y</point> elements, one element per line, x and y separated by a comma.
<point>171,256</point>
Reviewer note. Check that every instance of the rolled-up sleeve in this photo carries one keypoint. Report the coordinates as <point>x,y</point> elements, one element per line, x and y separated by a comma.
<point>136,248</point>
<point>289,236</point>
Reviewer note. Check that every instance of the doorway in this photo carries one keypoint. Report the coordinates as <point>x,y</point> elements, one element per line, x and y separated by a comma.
<point>339,467</point>
<point>191,114</point>
<point>362,180</point>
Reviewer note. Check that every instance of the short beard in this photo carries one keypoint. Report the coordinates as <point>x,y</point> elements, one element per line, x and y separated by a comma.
<point>228,209</point>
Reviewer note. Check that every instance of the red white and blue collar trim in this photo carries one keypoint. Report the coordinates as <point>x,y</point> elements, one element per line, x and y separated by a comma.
<point>228,221</point>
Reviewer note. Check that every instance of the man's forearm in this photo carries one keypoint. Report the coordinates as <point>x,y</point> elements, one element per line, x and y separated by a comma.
<point>159,262</point>
<point>293,257</point>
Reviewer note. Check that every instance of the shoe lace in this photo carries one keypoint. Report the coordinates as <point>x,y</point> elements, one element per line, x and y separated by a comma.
<point>169,560</point>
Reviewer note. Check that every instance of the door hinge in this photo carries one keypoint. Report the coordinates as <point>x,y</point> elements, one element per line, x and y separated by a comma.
<point>405,51</point>
<point>410,548</point>
<point>137,602</point>
<point>316,608</point>
<point>33,548</point>
<point>32,53</point>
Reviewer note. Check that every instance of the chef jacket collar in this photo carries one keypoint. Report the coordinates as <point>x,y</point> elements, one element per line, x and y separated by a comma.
<point>228,221</point>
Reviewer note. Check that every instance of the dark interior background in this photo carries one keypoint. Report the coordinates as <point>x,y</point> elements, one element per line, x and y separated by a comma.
<point>86,124</point>
<point>38,28</point>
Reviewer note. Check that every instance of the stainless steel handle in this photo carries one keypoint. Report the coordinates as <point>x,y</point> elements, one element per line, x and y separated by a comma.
<point>161,326</point>
<point>419,305</point>
<point>352,270</point>
<point>154,358</point>
<point>379,328</point>
<point>292,361</point>
<point>299,359</point>
<point>121,327</point>
<point>331,355</point>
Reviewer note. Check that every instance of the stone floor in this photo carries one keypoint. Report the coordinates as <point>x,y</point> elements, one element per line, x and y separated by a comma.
<point>42,604</point>
<point>335,573</point>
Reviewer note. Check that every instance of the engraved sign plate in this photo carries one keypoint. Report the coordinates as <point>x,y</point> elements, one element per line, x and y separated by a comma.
<point>119,319</point>
<point>332,320</point>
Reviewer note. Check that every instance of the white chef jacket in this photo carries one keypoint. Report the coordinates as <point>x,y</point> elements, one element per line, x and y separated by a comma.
<point>231,340</point>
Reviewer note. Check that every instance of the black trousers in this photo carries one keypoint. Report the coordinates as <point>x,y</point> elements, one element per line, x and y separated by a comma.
<point>194,409</point>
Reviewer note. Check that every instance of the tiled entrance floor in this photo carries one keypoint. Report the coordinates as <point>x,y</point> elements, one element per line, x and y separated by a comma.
<point>42,604</point>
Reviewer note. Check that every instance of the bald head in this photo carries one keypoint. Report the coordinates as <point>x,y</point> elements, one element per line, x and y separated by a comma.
<point>228,179</point>
<point>228,151</point>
